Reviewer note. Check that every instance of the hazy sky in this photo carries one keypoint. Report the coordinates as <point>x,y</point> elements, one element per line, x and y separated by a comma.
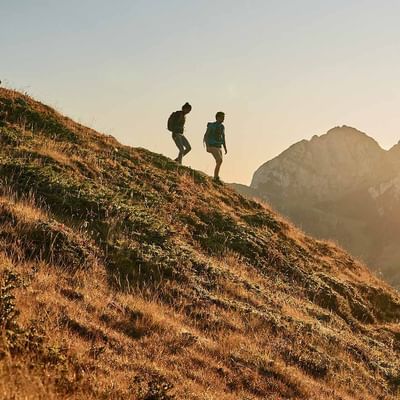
<point>281,70</point>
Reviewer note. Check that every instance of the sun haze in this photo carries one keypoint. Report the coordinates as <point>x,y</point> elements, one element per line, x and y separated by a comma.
<point>281,71</point>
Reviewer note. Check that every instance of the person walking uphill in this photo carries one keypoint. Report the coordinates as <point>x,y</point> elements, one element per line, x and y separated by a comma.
<point>176,125</point>
<point>214,139</point>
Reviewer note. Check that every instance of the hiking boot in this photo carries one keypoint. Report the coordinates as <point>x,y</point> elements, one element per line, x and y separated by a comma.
<point>217,181</point>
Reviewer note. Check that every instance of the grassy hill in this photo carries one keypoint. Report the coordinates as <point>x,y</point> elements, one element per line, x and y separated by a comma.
<point>126,276</point>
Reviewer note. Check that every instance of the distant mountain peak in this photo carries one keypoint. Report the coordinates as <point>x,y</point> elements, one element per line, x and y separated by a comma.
<point>345,128</point>
<point>346,133</point>
<point>324,166</point>
<point>340,185</point>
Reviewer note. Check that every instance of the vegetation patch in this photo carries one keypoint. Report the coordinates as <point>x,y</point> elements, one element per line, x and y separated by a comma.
<point>132,265</point>
<point>51,242</point>
<point>154,387</point>
<point>22,112</point>
<point>15,339</point>
<point>262,220</point>
<point>10,136</point>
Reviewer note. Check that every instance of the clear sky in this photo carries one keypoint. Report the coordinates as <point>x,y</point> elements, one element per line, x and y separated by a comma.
<point>281,70</point>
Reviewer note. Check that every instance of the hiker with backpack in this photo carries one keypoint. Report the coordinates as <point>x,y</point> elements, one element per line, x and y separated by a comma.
<point>214,139</point>
<point>176,124</point>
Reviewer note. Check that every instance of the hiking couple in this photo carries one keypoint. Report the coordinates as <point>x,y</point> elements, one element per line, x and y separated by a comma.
<point>214,138</point>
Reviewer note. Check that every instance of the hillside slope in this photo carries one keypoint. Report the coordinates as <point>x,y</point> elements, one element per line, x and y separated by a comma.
<point>126,276</point>
<point>342,186</point>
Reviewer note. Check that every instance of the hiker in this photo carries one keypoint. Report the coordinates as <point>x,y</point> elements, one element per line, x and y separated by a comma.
<point>214,139</point>
<point>176,124</point>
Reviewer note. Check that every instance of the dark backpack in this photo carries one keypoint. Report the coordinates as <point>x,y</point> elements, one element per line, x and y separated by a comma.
<point>172,121</point>
<point>214,133</point>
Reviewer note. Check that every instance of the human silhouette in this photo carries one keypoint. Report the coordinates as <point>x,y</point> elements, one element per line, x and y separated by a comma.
<point>176,125</point>
<point>214,139</point>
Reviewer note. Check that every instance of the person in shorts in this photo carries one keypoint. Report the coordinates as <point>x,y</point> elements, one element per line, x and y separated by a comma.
<point>214,140</point>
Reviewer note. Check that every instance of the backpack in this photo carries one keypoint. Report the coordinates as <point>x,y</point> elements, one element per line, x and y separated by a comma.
<point>214,134</point>
<point>172,120</point>
<point>219,133</point>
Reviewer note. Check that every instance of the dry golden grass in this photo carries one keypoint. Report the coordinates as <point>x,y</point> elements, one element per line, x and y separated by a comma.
<point>85,319</point>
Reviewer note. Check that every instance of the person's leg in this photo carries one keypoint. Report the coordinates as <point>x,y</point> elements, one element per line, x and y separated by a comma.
<point>217,154</point>
<point>177,137</point>
<point>218,160</point>
<point>186,145</point>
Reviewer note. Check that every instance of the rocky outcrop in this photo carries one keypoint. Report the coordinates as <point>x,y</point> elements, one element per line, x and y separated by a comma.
<point>342,186</point>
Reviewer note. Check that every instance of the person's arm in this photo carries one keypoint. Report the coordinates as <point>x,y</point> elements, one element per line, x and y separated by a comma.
<point>206,136</point>
<point>224,144</point>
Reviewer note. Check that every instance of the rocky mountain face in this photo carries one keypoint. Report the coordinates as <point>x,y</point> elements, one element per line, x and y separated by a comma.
<point>126,276</point>
<point>342,186</point>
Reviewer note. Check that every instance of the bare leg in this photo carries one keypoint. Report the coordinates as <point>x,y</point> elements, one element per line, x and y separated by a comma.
<point>217,154</point>
<point>217,168</point>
